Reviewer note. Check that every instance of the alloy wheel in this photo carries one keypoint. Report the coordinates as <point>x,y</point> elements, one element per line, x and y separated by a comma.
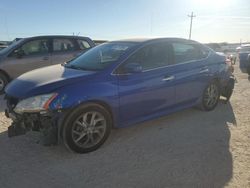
<point>2,84</point>
<point>88,129</point>
<point>211,95</point>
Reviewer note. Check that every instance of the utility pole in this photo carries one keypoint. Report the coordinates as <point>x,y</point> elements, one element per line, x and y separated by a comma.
<point>191,23</point>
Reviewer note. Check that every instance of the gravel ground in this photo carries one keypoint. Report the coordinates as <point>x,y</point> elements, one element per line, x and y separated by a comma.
<point>190,148</point>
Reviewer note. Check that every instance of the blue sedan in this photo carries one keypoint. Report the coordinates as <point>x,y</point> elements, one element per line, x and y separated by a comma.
<point>116,84</point>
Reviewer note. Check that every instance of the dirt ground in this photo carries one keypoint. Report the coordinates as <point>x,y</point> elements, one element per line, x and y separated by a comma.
<point>190,148</point>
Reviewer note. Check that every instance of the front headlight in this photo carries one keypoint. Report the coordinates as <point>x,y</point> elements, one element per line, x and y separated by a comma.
<point>35,104</point>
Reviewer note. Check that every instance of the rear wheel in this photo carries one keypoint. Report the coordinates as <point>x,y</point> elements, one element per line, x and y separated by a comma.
<point>211,96</point>
<point>248,70</point>
<point>87,128</point>
<point>228,90</point>
<point>3,82</point>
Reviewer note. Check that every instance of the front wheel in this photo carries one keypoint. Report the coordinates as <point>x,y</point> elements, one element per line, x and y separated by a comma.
<point>211,96</point>
<point>3,82</point>
<point>87,128</point>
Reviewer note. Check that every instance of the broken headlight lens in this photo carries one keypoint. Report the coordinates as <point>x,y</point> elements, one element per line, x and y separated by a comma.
<point>35,104</point>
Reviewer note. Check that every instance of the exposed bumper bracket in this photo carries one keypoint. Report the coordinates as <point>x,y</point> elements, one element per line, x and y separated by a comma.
<point>16,129</point>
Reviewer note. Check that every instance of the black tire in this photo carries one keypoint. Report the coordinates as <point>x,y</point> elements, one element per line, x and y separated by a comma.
<point>3,82</point>
<point>228,94</point>
<point>228,90</point>
<point>71,123</point>
<point>248,70</point>
<point>204,103</point>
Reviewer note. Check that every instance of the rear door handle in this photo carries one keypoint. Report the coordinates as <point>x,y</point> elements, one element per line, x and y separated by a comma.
<point>168,78</point>
<point>45,58</point>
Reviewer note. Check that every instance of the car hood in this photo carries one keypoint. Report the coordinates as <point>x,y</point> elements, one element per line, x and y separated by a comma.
<point>44,80</point>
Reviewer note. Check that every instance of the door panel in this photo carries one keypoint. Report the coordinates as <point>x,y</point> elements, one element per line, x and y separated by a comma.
<point>152,90</point>
<point>61,57</point>
<point>191,79</point>
<point>145,93</point>
<point>17,66</point>
<point>31,55</point>
<point>192,71</point>
<point>63,50</point>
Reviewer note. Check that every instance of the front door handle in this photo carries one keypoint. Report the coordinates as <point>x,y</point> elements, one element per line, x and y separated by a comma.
<point>168,78</point>
<point>204,70</point>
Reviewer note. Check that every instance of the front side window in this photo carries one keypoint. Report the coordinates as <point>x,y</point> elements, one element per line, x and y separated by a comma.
<point>83,44</point>
<point>35,47</point>
<point>101,56</point>
<point>188,52</point>
<point>63,45</point>
<point>153,56</point>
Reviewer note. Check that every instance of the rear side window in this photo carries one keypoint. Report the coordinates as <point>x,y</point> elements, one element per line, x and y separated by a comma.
<point>35,47</point>
<point>153,56</point>
<point>83,44</point>
<point>188,52</point>
<point>63,45</point>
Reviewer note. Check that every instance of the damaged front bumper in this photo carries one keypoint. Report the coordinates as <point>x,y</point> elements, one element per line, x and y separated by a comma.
<point>44,122</point>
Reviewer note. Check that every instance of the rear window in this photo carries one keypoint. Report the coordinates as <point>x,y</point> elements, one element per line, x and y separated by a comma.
<point>63,45</point>
<point>189,52</point>
<point>83,44</point>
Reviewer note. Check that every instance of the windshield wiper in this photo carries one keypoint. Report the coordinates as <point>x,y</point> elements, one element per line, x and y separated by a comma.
<point>71,66</point>
<point>79,68</point>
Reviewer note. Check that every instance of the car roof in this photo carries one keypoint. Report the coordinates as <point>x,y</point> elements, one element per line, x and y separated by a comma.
<point>56,36</point>
<point>146,40</point>
<point>152,39</point>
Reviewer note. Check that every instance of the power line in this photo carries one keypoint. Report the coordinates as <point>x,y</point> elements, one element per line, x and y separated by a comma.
<point>191,23</point>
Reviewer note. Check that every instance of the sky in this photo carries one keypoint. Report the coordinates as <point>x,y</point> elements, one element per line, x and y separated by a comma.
<point>215,21</point>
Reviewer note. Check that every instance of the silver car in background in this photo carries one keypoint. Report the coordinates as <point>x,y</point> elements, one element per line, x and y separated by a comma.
<point>35,52</point>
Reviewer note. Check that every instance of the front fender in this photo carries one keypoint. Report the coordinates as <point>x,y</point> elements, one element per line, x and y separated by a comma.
<point>71,96</point>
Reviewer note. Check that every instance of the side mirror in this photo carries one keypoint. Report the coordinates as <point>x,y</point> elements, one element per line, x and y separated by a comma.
<point>19,53</point>
<point>132,68</point>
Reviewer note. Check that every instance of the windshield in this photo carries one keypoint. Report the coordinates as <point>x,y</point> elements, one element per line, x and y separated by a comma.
<point>3,51</point>
<point>101,56</point>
